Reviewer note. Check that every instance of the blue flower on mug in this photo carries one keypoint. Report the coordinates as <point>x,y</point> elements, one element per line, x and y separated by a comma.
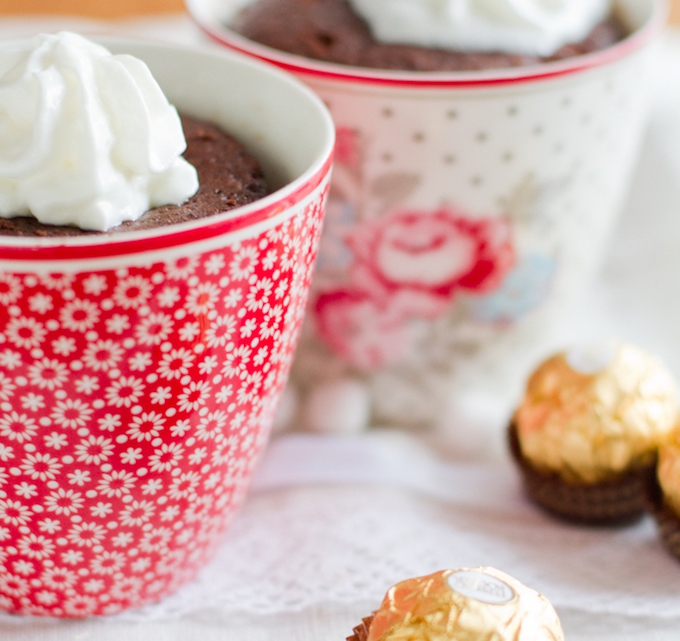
<point>522,290</point>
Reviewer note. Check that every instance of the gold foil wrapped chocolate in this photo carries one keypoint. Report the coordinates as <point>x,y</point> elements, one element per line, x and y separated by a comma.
<point>590,416</point>
<point>668,472</point>
<point>663,496</point>
<point>464,605</point>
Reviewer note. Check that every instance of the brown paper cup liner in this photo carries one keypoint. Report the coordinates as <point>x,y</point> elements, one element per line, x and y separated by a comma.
<point>617,501</point>
<point>361,631</point>
<point>666,518</point>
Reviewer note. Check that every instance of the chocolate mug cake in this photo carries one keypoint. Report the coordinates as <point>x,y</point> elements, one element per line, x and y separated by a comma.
<point>124,345</point>
<point>330,30</point>
<point>228,175</point>
<point>103,153</point>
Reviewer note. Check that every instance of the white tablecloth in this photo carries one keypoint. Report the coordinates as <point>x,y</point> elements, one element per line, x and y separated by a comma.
<point>329,507</point>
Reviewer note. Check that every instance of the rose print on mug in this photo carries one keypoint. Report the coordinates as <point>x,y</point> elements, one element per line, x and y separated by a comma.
<point>409,265</point>
<point>437,252</point>
<point>362,328</point>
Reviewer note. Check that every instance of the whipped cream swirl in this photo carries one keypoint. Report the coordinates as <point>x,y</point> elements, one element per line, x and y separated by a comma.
<point>86,138</point>
<point>529,27</point>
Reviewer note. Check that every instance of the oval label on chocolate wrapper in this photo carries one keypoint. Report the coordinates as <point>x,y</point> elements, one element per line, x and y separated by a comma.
<point>480,586</point>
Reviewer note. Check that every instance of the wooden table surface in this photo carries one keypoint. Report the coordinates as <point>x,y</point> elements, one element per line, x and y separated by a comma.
<point>122,8</point>
<point>91,8</point>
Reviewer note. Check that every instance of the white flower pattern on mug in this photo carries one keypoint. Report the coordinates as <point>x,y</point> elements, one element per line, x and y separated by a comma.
<point>133,404</point>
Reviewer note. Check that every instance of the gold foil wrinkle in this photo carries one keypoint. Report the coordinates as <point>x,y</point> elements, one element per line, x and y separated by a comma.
<point>487,605</point>
<point>590,427</point>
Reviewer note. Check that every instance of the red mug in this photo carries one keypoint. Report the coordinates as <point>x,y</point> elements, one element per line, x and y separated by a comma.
<point>139,372</point>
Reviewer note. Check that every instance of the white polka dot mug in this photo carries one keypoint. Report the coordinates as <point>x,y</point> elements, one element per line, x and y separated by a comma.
<point>467,211</point>
<point>139,371</point>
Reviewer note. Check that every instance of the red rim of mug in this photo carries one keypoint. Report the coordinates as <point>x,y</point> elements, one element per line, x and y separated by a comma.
<point>88,247</point>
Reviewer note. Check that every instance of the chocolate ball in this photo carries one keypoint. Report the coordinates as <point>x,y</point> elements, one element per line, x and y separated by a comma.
<point>464,605</point>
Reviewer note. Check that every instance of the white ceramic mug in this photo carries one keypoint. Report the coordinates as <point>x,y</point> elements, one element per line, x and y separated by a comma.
<point>467,212</point>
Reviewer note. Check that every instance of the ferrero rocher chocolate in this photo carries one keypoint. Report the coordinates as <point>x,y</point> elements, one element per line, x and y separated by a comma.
<point>664,494</point>
<point>668,472</point>
<point>591,414</point>
<point>464,605</point>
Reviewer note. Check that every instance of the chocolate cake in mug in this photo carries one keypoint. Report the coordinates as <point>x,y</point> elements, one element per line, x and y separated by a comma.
<point>229,177</point>
<point>82,173</point>
<point>330,30</point>
<point>139,371</point>
<point>468,207</point>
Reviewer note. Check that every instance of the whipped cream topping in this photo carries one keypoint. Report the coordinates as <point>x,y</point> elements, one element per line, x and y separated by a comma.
<point>529,27</point>
<point>86,138</point>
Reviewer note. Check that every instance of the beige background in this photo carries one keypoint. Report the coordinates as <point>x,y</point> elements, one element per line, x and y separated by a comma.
<point>121,8</point>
